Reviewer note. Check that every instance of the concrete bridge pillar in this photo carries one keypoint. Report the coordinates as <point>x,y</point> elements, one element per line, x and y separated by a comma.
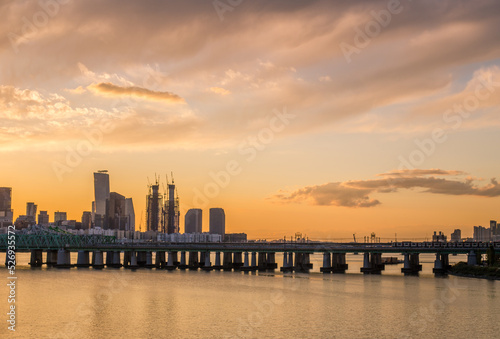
<point>339,263</point>
<point>149,259</point>
<point>51,258</point>
<point>170,263</point>
<point>193,261</point>
<point>97,260</point>
<point>160,260</point>
<point>63,259</point>
<point>254,261</point>
<point>446,261</point>
<point>134,263</point>
<point>183,265</point>
<point>207,264</point>
<point>262,261</point>
<point>300,263</point>
<point>307,261</point>
<point>217,266</point>
<point>141,258</point>
<point>202,259</point>
<point>271,261</point>
<point>327,266</point>
<point>116,259</point>
<point>287,262</point>
<point>109,258</point>
<point>83,259</point>
<point>227,263</point>
<point>411,264</point>
<point>246,266</point>
<point>237,260</point>
<point>175,259</point>
<point>36,258</point>
<point>372,263</point>
<point>472,258</point>
<point>439,269</point>
<point>126,258</point>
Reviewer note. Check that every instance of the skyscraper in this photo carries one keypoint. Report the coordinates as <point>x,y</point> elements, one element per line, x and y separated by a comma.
<point>86,220</point>
<point>6,212</point>
<point>31,209</point>
<point>60,217</point>
<point>101,194</point>
<point>43,218</point>
<point>193,220</point>
<point>217,221</point>
<point>129,212</point>
<point>171,213</point>
<point>153,208</point>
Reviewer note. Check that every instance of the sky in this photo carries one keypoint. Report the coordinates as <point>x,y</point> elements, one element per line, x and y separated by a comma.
<point>329,118</point>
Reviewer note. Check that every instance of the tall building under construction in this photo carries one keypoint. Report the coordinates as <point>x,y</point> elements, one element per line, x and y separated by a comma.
<point>162,210</point>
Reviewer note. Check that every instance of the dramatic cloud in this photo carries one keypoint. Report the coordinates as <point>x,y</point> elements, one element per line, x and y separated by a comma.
<point>356,193</point>
<point>114,90</point>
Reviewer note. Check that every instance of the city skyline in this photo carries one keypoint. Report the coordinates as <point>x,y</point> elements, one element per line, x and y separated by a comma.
<point>361,123</point>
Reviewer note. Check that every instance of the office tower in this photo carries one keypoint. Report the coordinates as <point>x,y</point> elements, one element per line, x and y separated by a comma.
<point>153,208</point>
<point>171,213</point>
<point>6,212</point>
<point>43,218</point>
<point>101,194</point>
<point>217,221</point>
<point>31,209</point>
<point>86,220</point>
<point>129,212</point>
<point>456,236</point>
<point>193,220</point>
<point>59,217</point>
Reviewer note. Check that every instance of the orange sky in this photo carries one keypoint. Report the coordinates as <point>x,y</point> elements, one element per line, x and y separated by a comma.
<point>328,118</point>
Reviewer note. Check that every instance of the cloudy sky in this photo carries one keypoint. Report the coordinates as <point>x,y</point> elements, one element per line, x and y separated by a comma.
<point>322,117</point>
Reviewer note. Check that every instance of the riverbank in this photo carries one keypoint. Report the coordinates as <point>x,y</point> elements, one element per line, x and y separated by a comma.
<point>482,272</point>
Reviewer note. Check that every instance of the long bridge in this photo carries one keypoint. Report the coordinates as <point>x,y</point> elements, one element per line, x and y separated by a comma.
<point>250,256</point>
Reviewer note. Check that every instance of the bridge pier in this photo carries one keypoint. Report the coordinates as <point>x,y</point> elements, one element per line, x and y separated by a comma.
<point>130,260</point>
<point>141,258</point>
<point>83,259</point>
<point>262,261</point>
<point>193,261</point>
<point>160,260</point>
<point>109,258</point>
<point>472,258</point>
<point>439,269</point>
<point>237,261</point>
<point>339,263</point>
<point>116,259</point>
<point>36,258</point>
<point>51,258</point>
<point>201,263</point>
<point>63,259</point>
<point>217,265</point>
<point>372,263</point>
<point>149,260</point>
<point>300,263</point>
<point>207,264</point>
<point>97,260</point>
<point>287,262</point>
<point>271,261</point>
<point>411,264</point>
<point>246,266</point>
<point>182,265</point>
<point>254,261</point>
<point>227,264</point>
<point>327,263</point>
<point>170,263</point>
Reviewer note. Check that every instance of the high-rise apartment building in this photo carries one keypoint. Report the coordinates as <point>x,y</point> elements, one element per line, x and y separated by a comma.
<point>217,221</point>
<point>43,218</point>
<point>6,212</point>
<point>193,221</point>
<point>101,194</point>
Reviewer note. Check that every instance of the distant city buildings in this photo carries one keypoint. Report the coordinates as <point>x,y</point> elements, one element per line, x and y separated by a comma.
<point>29,218</point>
<point>438,237</point>
<point>235,237</point>
<point>6,212</point>
<point>43,218</point>
<point>193,221</point>
<point>86,220</point>
<point>59,217</point>
<point>217,221</point>
<point>153,208</point>
<point>456,236</point>
<point>101,195</point>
